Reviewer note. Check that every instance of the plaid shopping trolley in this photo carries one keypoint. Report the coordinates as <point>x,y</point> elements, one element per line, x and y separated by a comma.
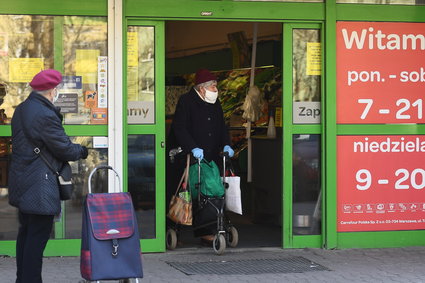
<point>110,245</point>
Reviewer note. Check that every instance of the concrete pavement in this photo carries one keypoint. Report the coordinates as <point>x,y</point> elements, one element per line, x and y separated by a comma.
<point>353,265</point>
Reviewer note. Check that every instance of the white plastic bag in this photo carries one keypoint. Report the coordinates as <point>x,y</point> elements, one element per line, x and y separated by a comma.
<point>233,194</point>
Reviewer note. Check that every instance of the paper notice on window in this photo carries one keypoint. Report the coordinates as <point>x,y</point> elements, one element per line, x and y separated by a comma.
<point>132,49</point>
<point>86,65</point>
<point>314,59</point>
<point>22,70</point>
<point>278,117</point>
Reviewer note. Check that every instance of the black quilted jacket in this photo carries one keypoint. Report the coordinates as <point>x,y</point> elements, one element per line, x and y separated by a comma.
<point>33,187</point>
<point>200,124</point>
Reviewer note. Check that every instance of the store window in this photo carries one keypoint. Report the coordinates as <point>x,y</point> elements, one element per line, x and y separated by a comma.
<point>386,2</point>
<point>76,46</point>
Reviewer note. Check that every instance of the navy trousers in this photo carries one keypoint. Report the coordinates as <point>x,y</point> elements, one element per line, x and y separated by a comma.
<point>34,232</point>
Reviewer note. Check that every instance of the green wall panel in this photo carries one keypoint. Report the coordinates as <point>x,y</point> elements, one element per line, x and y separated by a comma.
<point>381,239</point>
<point>329,137</point>
<point>224,10</point>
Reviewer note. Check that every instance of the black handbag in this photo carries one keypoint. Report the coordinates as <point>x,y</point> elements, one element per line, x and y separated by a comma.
<point>64,174</point>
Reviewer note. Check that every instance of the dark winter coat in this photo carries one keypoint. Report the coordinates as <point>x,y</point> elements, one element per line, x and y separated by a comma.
<point>200,124</point>
<point>33,187</point>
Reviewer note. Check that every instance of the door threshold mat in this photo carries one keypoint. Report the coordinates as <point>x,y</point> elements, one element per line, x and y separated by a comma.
<point>295,264</point>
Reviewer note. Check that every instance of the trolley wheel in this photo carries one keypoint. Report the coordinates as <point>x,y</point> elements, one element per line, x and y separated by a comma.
<point>233,237</point>
<point>171,239</point>
<point>219,244</point>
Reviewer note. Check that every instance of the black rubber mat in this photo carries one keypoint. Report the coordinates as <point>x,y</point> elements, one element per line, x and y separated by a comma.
<point>255,266</point>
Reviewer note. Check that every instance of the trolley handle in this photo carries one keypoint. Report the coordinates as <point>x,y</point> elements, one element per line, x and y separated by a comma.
<point>225,156</point>
<point>107,167</point>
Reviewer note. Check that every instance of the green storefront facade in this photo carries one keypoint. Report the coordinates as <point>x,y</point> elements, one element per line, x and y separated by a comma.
<point>309,59</point>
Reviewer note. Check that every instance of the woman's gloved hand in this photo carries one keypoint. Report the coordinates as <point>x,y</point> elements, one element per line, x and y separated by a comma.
<point>198,153</point>
<point>85,153</point>
<point>229,150</point>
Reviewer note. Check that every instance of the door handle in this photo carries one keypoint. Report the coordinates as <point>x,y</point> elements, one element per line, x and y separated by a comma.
<point>162,144</point>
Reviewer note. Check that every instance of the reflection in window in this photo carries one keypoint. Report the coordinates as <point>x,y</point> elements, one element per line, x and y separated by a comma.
<point>9,215</point>
<point>140,75</point>
<point>306,185</point>
<point>395,2</point>
<point>29,44</point>
<point>72,213</point>
<point>81,170</point>
<point>141,181</point>
<point>306,64</point>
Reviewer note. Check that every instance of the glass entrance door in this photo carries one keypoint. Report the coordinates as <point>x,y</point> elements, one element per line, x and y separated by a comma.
<point>144,129</point>
<point>302,135</point>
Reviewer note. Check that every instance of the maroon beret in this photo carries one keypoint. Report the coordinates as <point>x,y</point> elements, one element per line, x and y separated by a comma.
<point>46,79</point>
<point>203,75</point>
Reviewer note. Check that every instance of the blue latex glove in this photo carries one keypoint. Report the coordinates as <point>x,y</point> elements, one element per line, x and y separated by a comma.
<point>198,153</point>
<point>229,150</point>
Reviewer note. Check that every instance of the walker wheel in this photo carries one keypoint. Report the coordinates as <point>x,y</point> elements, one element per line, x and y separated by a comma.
<point>233,237</point>
<point>219,244</point>
<point>171,241</point>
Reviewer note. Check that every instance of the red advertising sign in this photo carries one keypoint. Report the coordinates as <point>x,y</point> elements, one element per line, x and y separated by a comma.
<point>381,183</point>
<point>380,72</point>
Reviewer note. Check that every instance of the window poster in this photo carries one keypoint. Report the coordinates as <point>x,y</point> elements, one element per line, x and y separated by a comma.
<point>380,72</point>
<point>99,116</point>
<point>72,82</point>
<point>86,65</point>
<point>381,183</point>
<point>102,85</point>
<point>68,102</point>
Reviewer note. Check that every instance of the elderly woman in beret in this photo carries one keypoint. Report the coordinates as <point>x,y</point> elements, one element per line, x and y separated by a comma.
<point>33,187</point>
<point>199,128</point>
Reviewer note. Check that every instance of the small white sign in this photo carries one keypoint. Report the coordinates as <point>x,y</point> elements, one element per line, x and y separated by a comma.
<point>140,112</point>
<point>306,113</point>
<point>100,142</point>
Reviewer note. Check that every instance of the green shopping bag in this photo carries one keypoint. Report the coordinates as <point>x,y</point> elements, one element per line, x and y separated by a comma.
<point>211,185</point>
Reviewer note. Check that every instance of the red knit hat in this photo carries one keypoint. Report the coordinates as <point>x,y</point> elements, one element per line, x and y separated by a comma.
<point>203,75</point>
<point>46,79</point>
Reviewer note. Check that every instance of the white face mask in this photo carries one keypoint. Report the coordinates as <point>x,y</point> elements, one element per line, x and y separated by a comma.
<point>210,96</point>
<point>56,96</point>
